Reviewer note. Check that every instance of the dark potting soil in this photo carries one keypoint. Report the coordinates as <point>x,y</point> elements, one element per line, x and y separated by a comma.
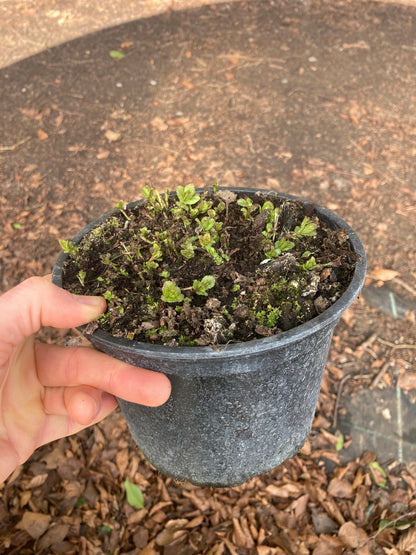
<point>210,268</point>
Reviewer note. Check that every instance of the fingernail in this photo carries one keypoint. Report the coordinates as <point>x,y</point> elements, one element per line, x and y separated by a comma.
<point>89,300</point>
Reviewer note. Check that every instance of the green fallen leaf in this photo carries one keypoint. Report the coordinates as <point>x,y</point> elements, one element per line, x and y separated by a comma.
<point>399,524</point>
<point>81,501</point>
<point>134,495</point>
<point>381,482</point>
<point>340,443</point>
<point>117,55</point>
<point>16,226</point>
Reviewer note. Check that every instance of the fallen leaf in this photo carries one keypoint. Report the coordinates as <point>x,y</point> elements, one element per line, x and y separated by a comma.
<point>407,542</point>
<point>188,84</point>
<point>285,491</point>
<point>340,488</point>
<point>328,545</point>
<point>117,55</point>
<point>54,535</point>
<point>42,135</point>
<point>352,536</point>
<point>134,495</point>
<point>112,136</point>
<point>102,154</point>
<point>383,274</point>
<point>407,381</point>
<point>35,524</point>
<point>159,124</point>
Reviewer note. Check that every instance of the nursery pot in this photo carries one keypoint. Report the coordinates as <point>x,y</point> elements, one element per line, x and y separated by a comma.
<point>238,411</point>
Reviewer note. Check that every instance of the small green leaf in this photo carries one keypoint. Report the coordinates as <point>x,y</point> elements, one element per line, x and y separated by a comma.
<point>245,202</point>
<point>117,55</point>
<point>16,226</point>
<point>187,195</point>
<point>201,287</point>
<point>81,276</point>
<point>134,495</point>
<point>208,282</point>
<point>284,245</point>
<point>309,264</point>
<point>81,501</point>
<point>68,247</point>
<point>171,293</point>
<point>340,443</point>
<point>379,471</point>
<point>105,529</point>
<point>306,229</point>
<point>108,295</point>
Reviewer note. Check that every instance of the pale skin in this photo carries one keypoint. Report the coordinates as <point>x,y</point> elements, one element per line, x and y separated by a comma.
<point>48,391</point>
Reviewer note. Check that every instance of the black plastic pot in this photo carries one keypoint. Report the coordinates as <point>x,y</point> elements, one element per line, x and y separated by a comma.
<point>237,412</point>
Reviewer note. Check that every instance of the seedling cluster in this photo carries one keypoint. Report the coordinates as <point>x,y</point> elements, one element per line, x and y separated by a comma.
<point>175,267</point>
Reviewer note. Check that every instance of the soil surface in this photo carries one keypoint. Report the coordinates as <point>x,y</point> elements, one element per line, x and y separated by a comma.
<point>209,267</point>
<point>313,99</point>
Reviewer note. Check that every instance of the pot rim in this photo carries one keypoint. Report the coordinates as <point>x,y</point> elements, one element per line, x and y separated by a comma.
<point>328,318</point>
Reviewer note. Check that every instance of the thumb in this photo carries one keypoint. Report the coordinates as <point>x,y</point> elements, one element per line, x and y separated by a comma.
<point>37,302</point>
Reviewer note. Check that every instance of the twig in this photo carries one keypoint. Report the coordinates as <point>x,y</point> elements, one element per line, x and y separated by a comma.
<point>369,341</point>
<point>405,285</point>
<point>380,374</point>
<point>13,147</point>
<point>349,376</point>
<point>387,525</point>
<point>394,347</point>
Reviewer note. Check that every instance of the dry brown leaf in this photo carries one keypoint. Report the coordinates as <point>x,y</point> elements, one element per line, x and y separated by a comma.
<point>112,136</point>
<point>407,542</point>
<point>102,154</point>
<point>54,535</point>
<point>35,524</point>
<point>407,381</point>
<point>37,481</point>
<point>352,536</point>
<point>159,124</point>
<point>340,488</point>
<point>383,274</point>
<point>266,550</point>
<point>328,545</point>
<point>122,460</point>
<point>287,490</point>
<point>42,135</point>
<point>188,84</point>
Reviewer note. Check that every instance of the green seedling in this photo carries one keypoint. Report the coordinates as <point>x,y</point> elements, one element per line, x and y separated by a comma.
<point>186,196</point>
<point>156,201</point>
<point>306,229</point>
<point>310,264</point>
<point>247,207</point>
<point>201,287</point>
<point>282,245</point>
<point>171,293</point>
<point>81,277</point>
<point>122,207</point>
<point>188,249</point>
<point>68,246</point>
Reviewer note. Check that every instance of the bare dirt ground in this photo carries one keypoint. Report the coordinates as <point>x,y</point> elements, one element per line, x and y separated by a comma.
<point>313,99</point>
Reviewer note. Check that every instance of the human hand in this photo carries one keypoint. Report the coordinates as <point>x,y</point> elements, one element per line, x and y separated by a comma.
<point>48,391</point>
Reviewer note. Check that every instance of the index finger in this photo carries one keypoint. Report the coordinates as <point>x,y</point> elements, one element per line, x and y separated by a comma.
<point>62,366</point>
